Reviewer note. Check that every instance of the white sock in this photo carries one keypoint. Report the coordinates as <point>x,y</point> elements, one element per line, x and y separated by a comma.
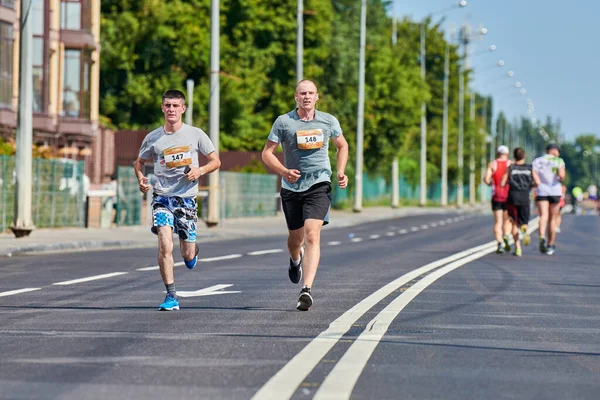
<point>296,262</point>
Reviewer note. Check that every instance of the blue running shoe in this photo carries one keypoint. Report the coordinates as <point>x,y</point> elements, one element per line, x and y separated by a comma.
<point>171,303</point>
<point>192,263</point>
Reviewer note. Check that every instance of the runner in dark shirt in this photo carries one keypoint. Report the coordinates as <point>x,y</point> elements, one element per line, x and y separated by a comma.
<point>521,178</point>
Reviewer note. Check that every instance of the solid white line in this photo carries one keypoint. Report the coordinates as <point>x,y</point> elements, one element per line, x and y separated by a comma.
<point>356,240</point>
<point>285,382</point>
<point>341,380</point>
<point>374,237</point>
<point>261,252</point>
<point>17,291</point>
<point>90,278</point>
<point>228,257</point>
<point>334,243</point>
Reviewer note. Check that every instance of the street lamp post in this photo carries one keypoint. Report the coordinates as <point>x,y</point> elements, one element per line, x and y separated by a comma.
<point>213,178</point>
<point>361,109</point>
<point>423,144</point>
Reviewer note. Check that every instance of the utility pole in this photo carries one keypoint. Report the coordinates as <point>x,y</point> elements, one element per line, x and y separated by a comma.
<point>361,109</point>
<point>423,163</point>
<point>472,190</point>
<point>213,178</point>
<point>300,41</point>
<point>189,112</point>
<point>23,224</point>
<point>444,199</point>
<point>395,169</point>
<point>461,110</point>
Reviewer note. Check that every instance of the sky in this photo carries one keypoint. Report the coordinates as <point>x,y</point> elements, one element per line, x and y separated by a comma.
<point>550,45</point>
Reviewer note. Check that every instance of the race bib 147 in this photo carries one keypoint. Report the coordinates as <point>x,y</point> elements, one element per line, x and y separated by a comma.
<point>179,156</point>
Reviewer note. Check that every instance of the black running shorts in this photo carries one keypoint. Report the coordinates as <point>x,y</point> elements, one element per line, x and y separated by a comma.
<point>313,203</point>
<point>498,205</point>
<point>549,199</point>
<point>519,214</point>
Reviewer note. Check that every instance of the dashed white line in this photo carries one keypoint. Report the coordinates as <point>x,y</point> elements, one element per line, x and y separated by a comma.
<point>17,291</point>
<point>442,223</point>
<point>374,237</point>
<point>434,225</point>
<point>334,243</point>
<point>356,240</point>
<point>156,267</point>
<point>414,229</point>
<point>403,231</point>
<point>424,226</point>
<point>390,234</point>
<point>261,252</point>
<point>90,278</point>
<point>228,257</point>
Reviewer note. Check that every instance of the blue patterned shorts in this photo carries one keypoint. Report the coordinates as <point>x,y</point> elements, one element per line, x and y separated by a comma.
<point>178,213</point>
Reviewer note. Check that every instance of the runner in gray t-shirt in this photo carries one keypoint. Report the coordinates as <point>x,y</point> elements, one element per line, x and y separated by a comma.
<point>174,150</point>
<point>304,135</point>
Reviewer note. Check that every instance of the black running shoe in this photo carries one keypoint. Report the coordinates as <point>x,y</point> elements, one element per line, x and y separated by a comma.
<point>543,246</point>
<point>305,299</point>
<point>295,271</point>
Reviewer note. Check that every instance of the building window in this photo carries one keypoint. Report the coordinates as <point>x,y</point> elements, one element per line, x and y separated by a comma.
<point>39,63</point>
<point>7,3</point>
<point>75,15</point>
<point>76,90</point>
<point>6,64</point>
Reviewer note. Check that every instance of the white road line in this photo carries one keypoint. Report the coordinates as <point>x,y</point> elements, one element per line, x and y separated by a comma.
<point>414,229</point>
<point>442,223</point>
<point>90,278</point>
<point>285,382</point>
<point>261,252</point>
<point>156,267</point>
<point>17,291</point>
<point>228,257</point>
<point>334,243</point>
<point>434,225</point>
<point>403,231</point>
<point>374,237</point>
<point>341,380</point>
<point>424,226</point>
<point>390,234</point>
<point>356,240</point>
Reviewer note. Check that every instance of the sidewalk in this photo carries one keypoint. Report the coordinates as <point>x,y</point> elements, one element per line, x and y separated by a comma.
<point>85,239</point>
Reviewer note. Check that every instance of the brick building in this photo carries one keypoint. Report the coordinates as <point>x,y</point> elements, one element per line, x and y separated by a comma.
<point>66,55</point>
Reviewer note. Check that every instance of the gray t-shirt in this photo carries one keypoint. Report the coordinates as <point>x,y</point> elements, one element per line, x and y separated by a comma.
<point>171,153</point>
<point>305,147</point>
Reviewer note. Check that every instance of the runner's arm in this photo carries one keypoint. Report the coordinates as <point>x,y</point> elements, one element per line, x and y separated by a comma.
<point>213,164</point>
<point>562,173</point>
<point>536,178</point>
<point>273,163</point>
<point>342,158</point>
<point>138,166</point>
<point>488,175</point>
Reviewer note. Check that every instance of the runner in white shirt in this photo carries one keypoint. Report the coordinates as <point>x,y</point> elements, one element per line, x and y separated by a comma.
<point>551,171</point>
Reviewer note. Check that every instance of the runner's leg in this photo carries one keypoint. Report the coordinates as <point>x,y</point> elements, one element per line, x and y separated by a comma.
<point>312,252</point>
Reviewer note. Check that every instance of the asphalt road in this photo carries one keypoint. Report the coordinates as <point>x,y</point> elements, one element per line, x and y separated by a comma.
<point>396,315</point>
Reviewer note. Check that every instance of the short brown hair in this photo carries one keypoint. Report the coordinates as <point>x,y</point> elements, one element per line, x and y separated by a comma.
<point>519,153</point>
<point>173,94</point>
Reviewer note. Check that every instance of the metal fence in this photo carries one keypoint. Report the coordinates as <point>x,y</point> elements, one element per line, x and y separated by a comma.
<point>377,188</point>
<point>59,187</point>
<point>129,198</point>
<point>248,195</point>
